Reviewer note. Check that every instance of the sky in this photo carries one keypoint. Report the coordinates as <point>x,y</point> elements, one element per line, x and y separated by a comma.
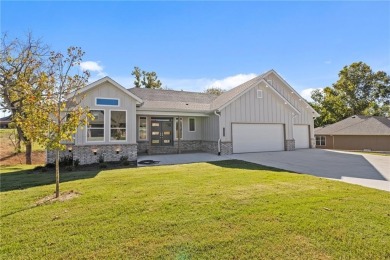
<point>196,45</point>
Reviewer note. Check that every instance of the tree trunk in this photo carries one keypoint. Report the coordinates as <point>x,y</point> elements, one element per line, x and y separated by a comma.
<point>28,152</point>
<point>58,174</point>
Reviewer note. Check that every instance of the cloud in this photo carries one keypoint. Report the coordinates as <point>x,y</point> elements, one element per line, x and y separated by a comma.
<point>93,67</point>
<point>231,81</point>
<point>306,93</point>
<point>328,62</point>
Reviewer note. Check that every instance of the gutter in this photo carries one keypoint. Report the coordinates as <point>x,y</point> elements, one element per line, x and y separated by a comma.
<point>219,132</point>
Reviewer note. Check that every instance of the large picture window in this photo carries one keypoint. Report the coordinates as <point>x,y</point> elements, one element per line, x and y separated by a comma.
<point>95,128</point>
<point>118,126</point>
<point>142,130</point>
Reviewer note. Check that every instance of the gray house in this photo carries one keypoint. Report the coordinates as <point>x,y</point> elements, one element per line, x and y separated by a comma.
<point>262,114</point>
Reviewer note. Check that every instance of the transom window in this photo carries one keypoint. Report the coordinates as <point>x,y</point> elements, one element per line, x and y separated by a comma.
<point>142,129</point>
<point>118,126</point>
<point>95,128</point>
<point>320,140</point>
<point>107,102</point>
<point>191,124</point>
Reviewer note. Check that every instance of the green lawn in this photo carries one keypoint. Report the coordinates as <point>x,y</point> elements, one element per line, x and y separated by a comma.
<point>222,210</point>
<point>6,134</point>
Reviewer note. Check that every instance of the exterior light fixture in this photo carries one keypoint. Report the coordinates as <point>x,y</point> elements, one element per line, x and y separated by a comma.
<point>70,148</point>
<point>94,150</point>
<point>118,149</point>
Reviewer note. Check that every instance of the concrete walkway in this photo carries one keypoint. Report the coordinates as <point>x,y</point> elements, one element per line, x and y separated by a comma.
<point>363,169</point>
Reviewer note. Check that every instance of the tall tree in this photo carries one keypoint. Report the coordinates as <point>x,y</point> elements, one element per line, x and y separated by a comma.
<point>145,79</point>
<point>214,90</point>
<point>21,66</point>
<point>358,91</point>
<point>55,112</point>
<point>137,73</point>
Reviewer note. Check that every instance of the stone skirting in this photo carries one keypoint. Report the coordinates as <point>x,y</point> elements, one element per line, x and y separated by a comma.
<point>210,147</point>
<point>85,153</point>
<point>289,145</point>
<point>184,147</point>
<point>226,148</point>
<point>312,143</point>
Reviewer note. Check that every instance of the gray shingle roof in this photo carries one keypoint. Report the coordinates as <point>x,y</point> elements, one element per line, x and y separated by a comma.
<point>173,100</point>
<point>357,125</point>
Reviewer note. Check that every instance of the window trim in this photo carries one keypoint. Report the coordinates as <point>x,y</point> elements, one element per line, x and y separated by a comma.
<point>189,124</point>
<point>104,128</point>
<point>119,102</point>
<point>259,93</point>
<point>321,137</point>
<point>182,128</point>
<point>109,126</point>
<point>139,125</point>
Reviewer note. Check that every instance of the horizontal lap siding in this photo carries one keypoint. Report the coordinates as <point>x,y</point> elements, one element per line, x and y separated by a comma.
<point>343,142</point>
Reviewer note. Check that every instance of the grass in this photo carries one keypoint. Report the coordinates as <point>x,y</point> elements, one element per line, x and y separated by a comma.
<point>5,135</point>
<point>221,210</point>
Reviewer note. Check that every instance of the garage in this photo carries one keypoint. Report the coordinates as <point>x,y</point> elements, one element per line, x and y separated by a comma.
<point>249,138</point>
<point>301,136</point>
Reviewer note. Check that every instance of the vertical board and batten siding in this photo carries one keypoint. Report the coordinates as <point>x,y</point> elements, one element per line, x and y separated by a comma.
<point>210,128</point>
<point>250,109</point>
<point>306,116</point>
<point>107,90</point>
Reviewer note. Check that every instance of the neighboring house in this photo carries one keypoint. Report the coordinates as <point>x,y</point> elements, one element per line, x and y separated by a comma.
<point>355,133</point>
<point>5,121</point>
<point>263,114</point>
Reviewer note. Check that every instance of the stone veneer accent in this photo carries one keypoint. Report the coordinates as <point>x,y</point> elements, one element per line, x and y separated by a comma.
<point>312,143</point>
<point>86,156</point>
<point>210,147</point>
<point>289,145</point>
<point>185,146</point>
<point>226,148</point>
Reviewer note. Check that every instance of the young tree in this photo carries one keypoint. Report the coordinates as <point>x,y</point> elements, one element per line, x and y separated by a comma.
<point>146,79</point>
<point>56,112</point>
<point>358,91</point>
<point>214,90</point>
<point>21,65</point>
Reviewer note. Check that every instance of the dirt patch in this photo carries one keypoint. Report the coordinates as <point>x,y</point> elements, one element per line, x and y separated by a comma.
<point>8,157</point>
<point>64,196</point>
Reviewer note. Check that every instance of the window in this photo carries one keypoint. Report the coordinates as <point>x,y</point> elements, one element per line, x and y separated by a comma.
<point>259,93</point>
<point>118,126</point>
<point>95,128</point>
<point>191,124</point>
<point>179,128</point>
<point>107,102</point>
<point>320,140</point>
<point>142,130</point>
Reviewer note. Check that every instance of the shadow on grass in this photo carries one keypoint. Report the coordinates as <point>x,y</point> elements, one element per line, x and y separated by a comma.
<point>24,179</point>
<point>238,164</point>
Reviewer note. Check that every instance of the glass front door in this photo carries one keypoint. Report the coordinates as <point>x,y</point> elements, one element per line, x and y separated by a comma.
<point>162,131</point>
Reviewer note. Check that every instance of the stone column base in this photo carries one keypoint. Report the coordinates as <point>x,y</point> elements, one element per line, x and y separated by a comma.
<point>289,145</point>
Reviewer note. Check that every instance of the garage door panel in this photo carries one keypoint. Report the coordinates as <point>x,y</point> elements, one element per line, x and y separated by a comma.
<point>257,137</point>
<point>301,136</point>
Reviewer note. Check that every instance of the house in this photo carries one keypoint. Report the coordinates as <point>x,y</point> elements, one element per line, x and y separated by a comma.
<point>5,121</point>
<point>263,114</point>
<point>355,133</point>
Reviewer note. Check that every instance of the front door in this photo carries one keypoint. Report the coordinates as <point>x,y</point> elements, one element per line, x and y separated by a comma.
<point>162,131</point>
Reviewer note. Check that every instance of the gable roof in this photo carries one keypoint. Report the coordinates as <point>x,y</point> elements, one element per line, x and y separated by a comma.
<point>171,100</point>
<point>357,125</point>
<point>114,83</point>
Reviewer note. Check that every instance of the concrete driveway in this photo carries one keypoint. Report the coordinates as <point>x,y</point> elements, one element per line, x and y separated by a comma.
<point>362,169</point>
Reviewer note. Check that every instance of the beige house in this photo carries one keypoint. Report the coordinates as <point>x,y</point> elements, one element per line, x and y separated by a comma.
<point>263,114</point>
<point>355,133</point>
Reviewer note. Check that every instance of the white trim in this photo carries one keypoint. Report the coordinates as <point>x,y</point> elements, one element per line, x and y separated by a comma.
<point>104,128</point>
<point>259,93</point>
<point>189,125</point>
<point>113,82</point>
<point>96,104</point>
<point>138,126</point>
<point>109,126</point>
<point>168,113</point>
<point>320,137</point>
<point>279,95</point>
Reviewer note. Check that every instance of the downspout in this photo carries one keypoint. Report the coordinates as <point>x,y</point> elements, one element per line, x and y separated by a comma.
<point>219,132</point>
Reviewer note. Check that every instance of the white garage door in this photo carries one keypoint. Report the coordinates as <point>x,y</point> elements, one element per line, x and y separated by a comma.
<point>248,138</point>
<point>301,136</point>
